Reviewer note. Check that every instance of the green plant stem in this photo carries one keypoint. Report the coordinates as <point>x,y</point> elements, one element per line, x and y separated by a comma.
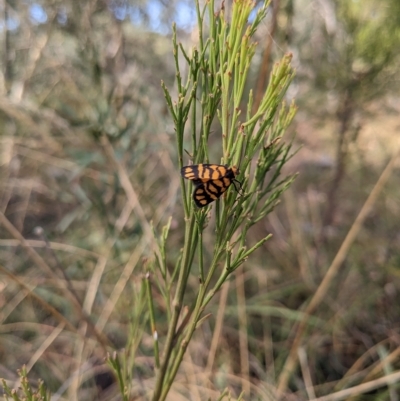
<point>219,73</point>
<point>152,319</point>
<point>176,309</point>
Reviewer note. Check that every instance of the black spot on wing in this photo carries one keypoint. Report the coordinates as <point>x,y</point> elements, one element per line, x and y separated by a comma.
<point>201,197</point>
<point>190,172</point>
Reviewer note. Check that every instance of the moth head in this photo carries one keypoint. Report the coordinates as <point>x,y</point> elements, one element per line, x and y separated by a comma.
<point>235,171</point>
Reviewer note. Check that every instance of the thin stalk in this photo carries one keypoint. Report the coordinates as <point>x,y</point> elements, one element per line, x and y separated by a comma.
<point>220,71</point>
<point>152,320</point>
<point>177,306</point>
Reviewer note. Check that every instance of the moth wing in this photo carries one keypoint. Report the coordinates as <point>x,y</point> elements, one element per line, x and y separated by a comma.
<point>201,196</point>
<point>190,172</point>
<point>204,172</point>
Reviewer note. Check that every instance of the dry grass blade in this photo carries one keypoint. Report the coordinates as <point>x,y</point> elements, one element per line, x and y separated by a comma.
<point>40,262</point>
<point>219,320</point>
<point>128,188</point>
<point>83,253</point>
<point>362,388</point>
<point>243,338</point>
<point>305,368</point>
<point>57,315</point>
<point>317,298</point>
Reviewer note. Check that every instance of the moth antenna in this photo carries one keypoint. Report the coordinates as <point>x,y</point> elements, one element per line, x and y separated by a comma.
<point>240,190</point>
<point>191,157</point>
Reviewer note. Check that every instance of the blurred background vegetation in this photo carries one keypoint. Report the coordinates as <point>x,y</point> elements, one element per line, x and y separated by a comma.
<point>88,164</point>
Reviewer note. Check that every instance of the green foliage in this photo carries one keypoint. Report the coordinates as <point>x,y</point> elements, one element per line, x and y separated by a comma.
<point>89,152</point>
<point>359,50</point>
<point>218,71</point>
<point>26,392</point>
<point>373,31</point>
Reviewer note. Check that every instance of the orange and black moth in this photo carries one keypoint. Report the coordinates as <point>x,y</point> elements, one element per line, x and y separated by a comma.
<point>210,181</point>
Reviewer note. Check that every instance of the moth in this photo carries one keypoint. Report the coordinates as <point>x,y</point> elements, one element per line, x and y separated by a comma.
<point>210,181</point>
